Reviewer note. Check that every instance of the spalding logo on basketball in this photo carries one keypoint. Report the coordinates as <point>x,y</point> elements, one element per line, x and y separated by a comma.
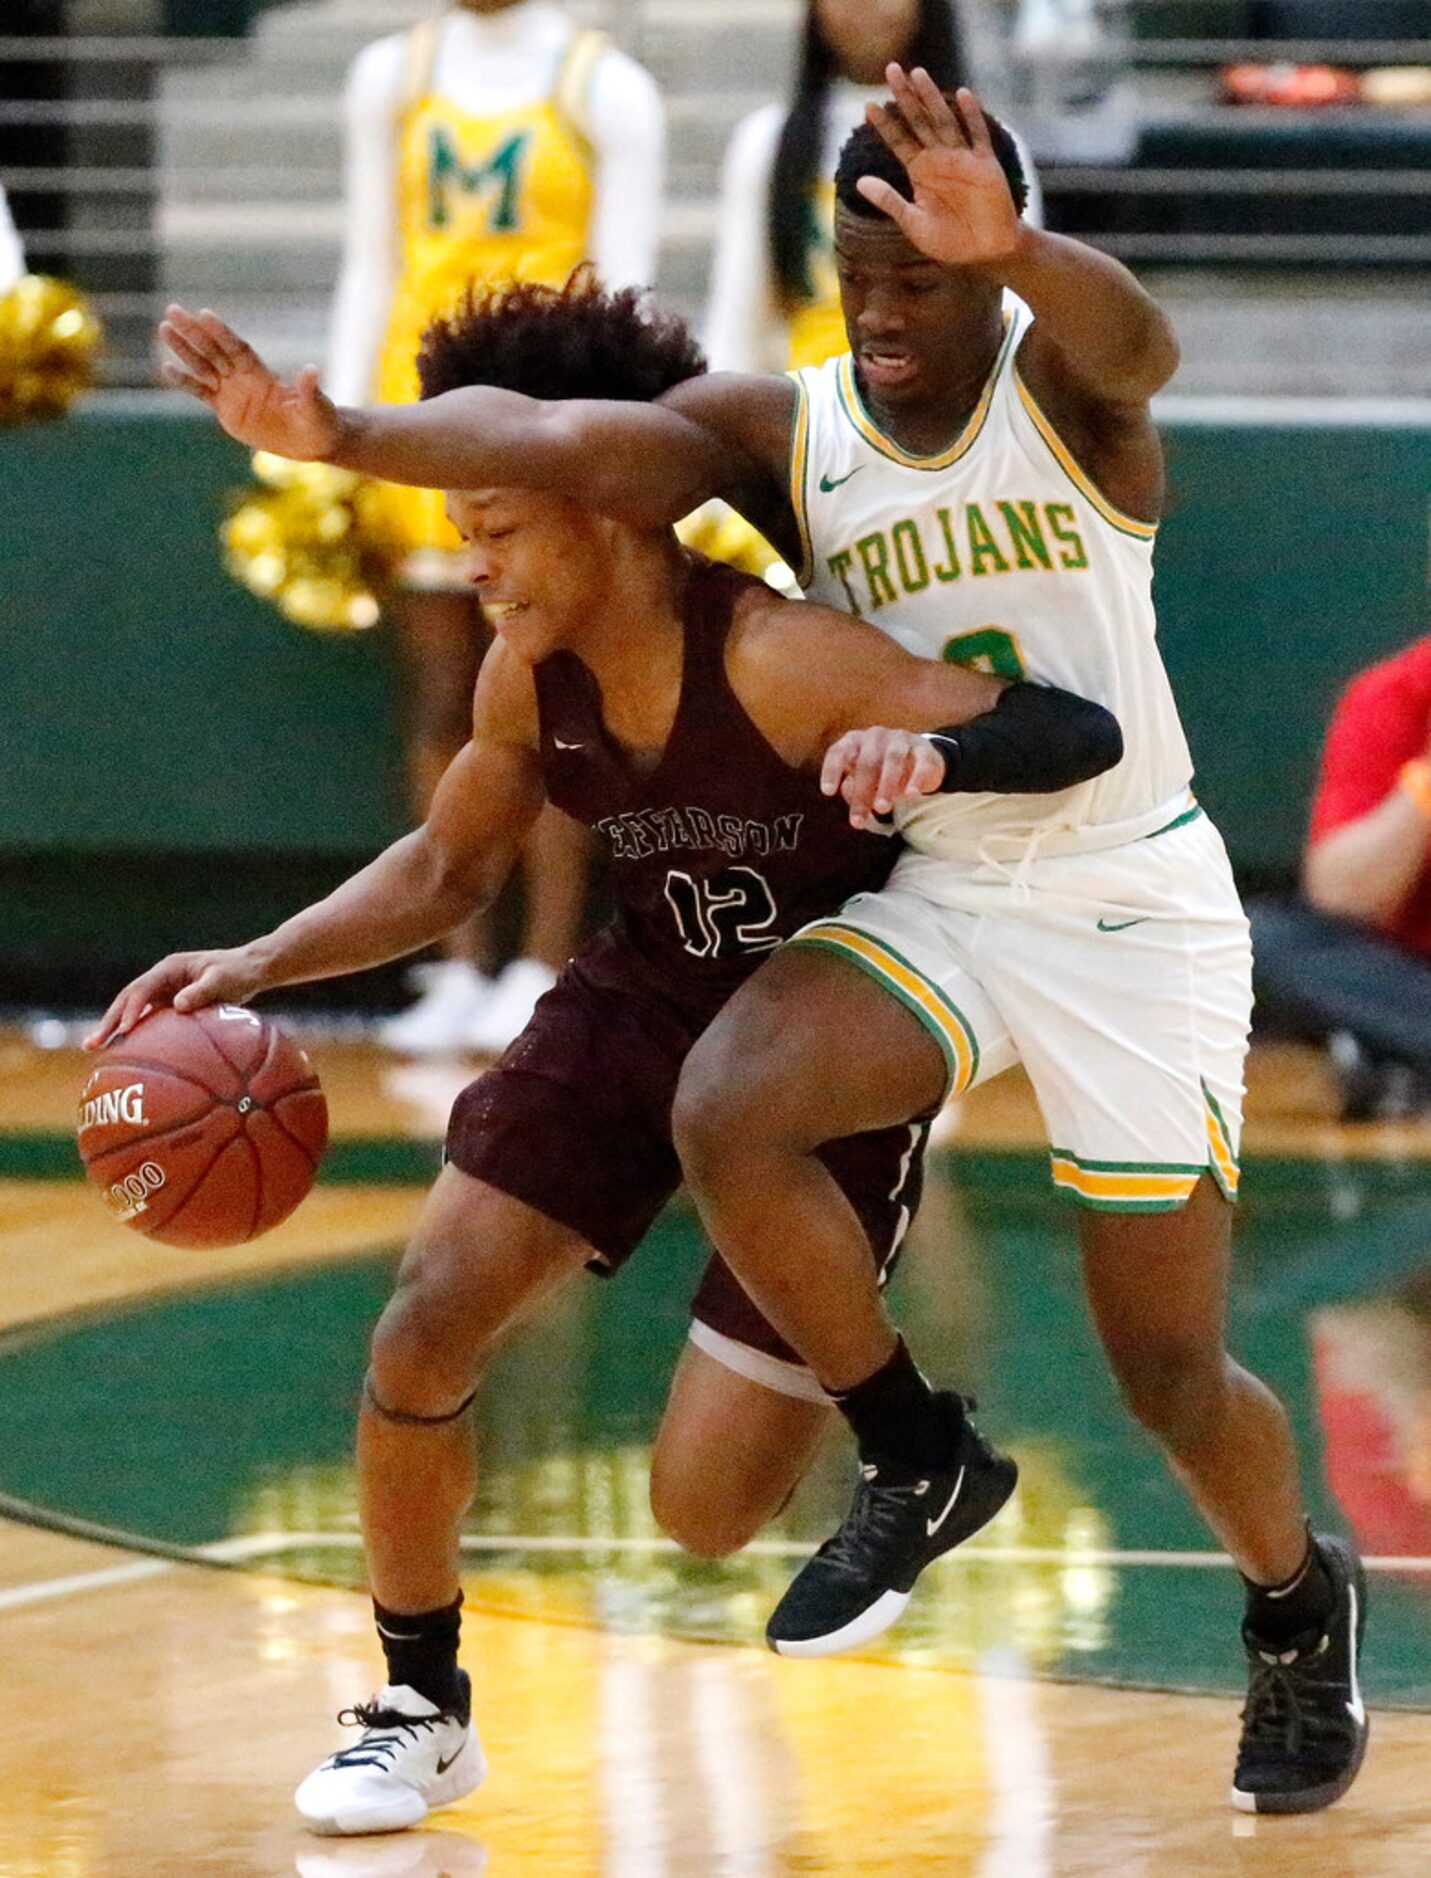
<point>203,1129</point>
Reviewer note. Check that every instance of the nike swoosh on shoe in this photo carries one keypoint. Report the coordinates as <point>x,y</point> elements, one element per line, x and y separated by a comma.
<point>931,1526</point>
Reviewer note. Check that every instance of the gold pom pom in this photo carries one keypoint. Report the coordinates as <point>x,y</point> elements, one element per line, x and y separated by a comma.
<point>48,341</point>
<point>716,531</point>
<point>314,541</point>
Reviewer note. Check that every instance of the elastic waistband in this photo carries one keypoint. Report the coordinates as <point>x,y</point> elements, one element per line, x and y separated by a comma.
<point>1048,839</point>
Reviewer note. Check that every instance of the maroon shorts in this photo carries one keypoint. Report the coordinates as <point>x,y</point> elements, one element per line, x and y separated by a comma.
<point>575,1122</point>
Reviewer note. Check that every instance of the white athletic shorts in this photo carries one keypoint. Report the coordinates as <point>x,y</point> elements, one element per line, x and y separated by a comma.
<point>1121,978</point>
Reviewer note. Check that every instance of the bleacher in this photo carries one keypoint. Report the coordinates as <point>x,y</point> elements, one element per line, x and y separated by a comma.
<point>151,164</point>
<point>1204,181</point>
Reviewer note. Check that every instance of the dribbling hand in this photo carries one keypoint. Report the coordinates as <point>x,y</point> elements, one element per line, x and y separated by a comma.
<point>875,768</point>
<point>211,362</point>
<point>188,981</point>
<point>963,213</point>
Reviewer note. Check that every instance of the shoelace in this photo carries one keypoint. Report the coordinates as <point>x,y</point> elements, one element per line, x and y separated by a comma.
<point>880,1508</point>
<point>1284,1709</point>
<point>383,1729</point>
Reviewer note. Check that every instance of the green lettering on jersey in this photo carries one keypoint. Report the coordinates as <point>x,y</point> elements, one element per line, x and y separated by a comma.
<point>1026,534</point>
<point>909,556</point>
<point>947,570</point>
<point>500,172</point>
<point>1072,554</point>
<point>873,551</point>
<point>982,545</point>
<point>840,567</point>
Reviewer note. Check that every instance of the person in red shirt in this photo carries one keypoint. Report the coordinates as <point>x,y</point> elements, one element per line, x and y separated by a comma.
<point>1351,959</point>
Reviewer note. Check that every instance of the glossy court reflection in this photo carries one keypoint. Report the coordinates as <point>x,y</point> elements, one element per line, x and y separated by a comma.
<point>220,1420</point>
<point>167,1711</point>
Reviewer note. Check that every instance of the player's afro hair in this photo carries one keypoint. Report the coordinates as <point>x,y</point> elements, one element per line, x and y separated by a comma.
<point>866,153</point>
<point>574,341</point>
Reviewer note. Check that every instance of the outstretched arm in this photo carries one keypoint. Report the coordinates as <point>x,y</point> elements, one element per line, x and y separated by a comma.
<point>414,893</point>
<point>643,463</point>
<point>1108,335</point>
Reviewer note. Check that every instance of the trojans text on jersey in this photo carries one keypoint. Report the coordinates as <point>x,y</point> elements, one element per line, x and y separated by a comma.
<point>967,540</point>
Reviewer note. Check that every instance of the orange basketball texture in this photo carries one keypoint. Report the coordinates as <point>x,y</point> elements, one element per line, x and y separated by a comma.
<point>203,1129</point>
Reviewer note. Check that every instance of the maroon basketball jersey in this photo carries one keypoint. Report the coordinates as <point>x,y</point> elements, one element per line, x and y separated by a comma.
<point>722,850</point>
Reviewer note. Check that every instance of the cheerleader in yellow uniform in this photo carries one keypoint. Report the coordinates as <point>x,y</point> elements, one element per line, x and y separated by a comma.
<point>775,302</point>
<point>497,140</point>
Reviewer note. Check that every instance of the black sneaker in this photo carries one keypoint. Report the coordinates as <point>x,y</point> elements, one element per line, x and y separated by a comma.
<point>1304,1726</point>
<point>860,1580</point>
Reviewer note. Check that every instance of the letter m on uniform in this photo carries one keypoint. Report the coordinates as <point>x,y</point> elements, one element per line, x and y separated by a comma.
<point>499,175</point>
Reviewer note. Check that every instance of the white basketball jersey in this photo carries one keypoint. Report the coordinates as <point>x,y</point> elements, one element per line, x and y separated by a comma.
<point>997,552</point>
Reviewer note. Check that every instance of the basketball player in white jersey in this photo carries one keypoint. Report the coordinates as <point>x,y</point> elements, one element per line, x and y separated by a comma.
<point>986,451</point>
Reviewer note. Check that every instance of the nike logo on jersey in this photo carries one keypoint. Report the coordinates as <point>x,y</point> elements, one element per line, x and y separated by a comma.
<point>931,1526</point>
<point>1117,925</point>
<point>827,483</point>
<point>562,745</point>
<point>443,1765</point>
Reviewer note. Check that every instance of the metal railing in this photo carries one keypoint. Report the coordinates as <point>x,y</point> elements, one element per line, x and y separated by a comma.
<point>103,221</point>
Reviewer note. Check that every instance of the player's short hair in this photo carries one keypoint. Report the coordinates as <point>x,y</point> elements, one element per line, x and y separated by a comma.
<point>575,341</point>
<point>865,153</point>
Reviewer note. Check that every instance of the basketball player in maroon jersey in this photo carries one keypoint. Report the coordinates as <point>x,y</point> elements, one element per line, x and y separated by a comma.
<point>930,248</point>
<point>707,729</point>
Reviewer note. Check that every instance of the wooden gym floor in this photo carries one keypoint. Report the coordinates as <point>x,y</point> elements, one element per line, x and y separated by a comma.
<point>197,1409</point>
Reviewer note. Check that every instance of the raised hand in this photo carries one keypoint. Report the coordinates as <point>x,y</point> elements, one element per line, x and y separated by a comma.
<point>188,981</point>
<point>963,212</point>
<point>875,768</point>
<point>211,362</point>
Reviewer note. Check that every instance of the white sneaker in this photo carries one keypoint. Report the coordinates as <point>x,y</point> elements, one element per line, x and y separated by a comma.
<point>409,1759</point>
<point>454,996</point>
<point>508,1011</point>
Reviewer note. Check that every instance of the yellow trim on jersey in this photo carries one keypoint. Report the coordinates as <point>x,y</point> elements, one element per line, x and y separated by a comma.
<point>569,94</point>
<point>1120,1187</point>
<point>1125,524</point>
<point>419,57</point>
<point>799,478</point>
<point>1224,1162</point>
<point>848,391</point>
<point>943,1019</point>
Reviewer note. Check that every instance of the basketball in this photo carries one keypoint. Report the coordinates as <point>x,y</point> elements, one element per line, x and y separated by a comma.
<point>203,1129</point>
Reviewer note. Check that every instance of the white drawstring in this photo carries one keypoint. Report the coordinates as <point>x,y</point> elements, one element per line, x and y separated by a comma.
<point>1017,876</point>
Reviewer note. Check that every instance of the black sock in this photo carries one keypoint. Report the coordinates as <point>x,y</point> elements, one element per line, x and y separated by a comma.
<point>898,1420</point>
<point>1278,1613</point>
<point>422,1652</point>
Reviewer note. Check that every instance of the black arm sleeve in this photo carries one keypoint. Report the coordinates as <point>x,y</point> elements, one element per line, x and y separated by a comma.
<point>1035,740</point>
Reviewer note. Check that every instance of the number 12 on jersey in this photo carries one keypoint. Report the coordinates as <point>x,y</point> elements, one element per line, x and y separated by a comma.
<point>732,911</point>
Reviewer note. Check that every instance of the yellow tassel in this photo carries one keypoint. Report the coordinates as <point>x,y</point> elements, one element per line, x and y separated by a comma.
<point>313,540</point>
<point>48,341</point>
<point>716,531</point>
